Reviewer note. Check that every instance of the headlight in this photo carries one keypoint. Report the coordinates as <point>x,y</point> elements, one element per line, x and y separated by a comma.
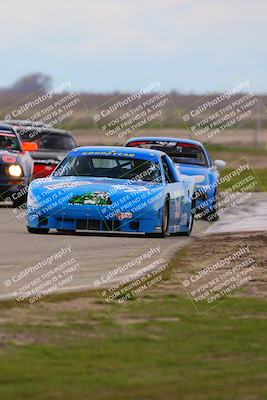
<point>199,178</point>
<point>15,170</point>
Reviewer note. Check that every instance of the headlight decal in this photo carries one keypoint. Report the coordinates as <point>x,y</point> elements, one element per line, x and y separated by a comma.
<point>199,178</point>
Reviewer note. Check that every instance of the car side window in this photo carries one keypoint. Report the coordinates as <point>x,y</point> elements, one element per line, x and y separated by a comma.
<point>167,170</point>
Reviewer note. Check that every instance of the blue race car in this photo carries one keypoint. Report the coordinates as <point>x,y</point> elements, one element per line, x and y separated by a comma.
<point>192,159</point>
<point>113,189</point>
<point>16,167</point>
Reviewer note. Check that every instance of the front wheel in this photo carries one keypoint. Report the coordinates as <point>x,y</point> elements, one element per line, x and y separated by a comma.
<point>164,224</point>
<point>190,223</point>
<point>37,230</point>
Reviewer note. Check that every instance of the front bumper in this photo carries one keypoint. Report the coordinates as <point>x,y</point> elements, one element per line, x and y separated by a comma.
<point>148,223</point>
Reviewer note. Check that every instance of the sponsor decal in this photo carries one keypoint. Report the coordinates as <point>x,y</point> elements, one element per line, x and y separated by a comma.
<point>131,189</point>
<point>124,215</point>
<point>112,153</point>
<point>92,198</point>
<point>66,184</point>
<point>43,161</point>
<point>168,144</point>
<point>9,159</point>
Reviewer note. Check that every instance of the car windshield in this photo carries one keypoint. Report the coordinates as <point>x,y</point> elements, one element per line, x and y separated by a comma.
<point>54,142</point>
<point>109,167</point>
<point>46,140</point>
<point>179,152</point>
<point>9,142</point>
<point>25,123</point>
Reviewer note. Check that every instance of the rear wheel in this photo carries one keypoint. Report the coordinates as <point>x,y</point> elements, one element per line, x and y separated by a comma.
<point>37,230</point>
<point>213,215</point>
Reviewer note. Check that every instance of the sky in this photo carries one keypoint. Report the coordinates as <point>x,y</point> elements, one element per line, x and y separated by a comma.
<point>101,46</point>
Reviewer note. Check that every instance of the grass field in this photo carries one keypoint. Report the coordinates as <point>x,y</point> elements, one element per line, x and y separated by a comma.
<point>235,155</point>
<point>157,347</point>
<point>259,175</point>
<point>172,353</point>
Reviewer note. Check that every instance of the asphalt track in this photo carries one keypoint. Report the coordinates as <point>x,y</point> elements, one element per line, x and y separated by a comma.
<point>96,255</point>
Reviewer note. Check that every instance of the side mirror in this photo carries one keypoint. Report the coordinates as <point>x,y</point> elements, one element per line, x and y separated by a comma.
<point>219,164</point>
<point>29,146</point>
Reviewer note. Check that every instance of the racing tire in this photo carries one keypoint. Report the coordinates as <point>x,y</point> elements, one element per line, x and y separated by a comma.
<point>190,223</point>
<point>164,224</point>
<point>213,215</point>
<point>37,230</point>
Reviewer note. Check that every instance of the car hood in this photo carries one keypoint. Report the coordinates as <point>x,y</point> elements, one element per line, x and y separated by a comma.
<point>87,183</point>
<point>93,191</point>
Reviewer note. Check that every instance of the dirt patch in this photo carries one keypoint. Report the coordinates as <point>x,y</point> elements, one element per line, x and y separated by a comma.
<point>130,321</point>
<point>80,316</point>
<point>204,263</point>
<point>77,304</point>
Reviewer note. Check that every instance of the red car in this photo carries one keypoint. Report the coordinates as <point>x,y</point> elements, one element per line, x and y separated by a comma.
<point>16,167</point>
<point>47,147</point>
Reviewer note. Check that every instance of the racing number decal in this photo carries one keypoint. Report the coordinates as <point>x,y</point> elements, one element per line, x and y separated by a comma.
<point>177,208</point>
<point>9,159</point>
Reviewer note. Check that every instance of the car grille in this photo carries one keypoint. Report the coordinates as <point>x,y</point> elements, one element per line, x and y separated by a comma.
<point>88,225</point>
<point>112,225</point>
<point>92,224</point>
